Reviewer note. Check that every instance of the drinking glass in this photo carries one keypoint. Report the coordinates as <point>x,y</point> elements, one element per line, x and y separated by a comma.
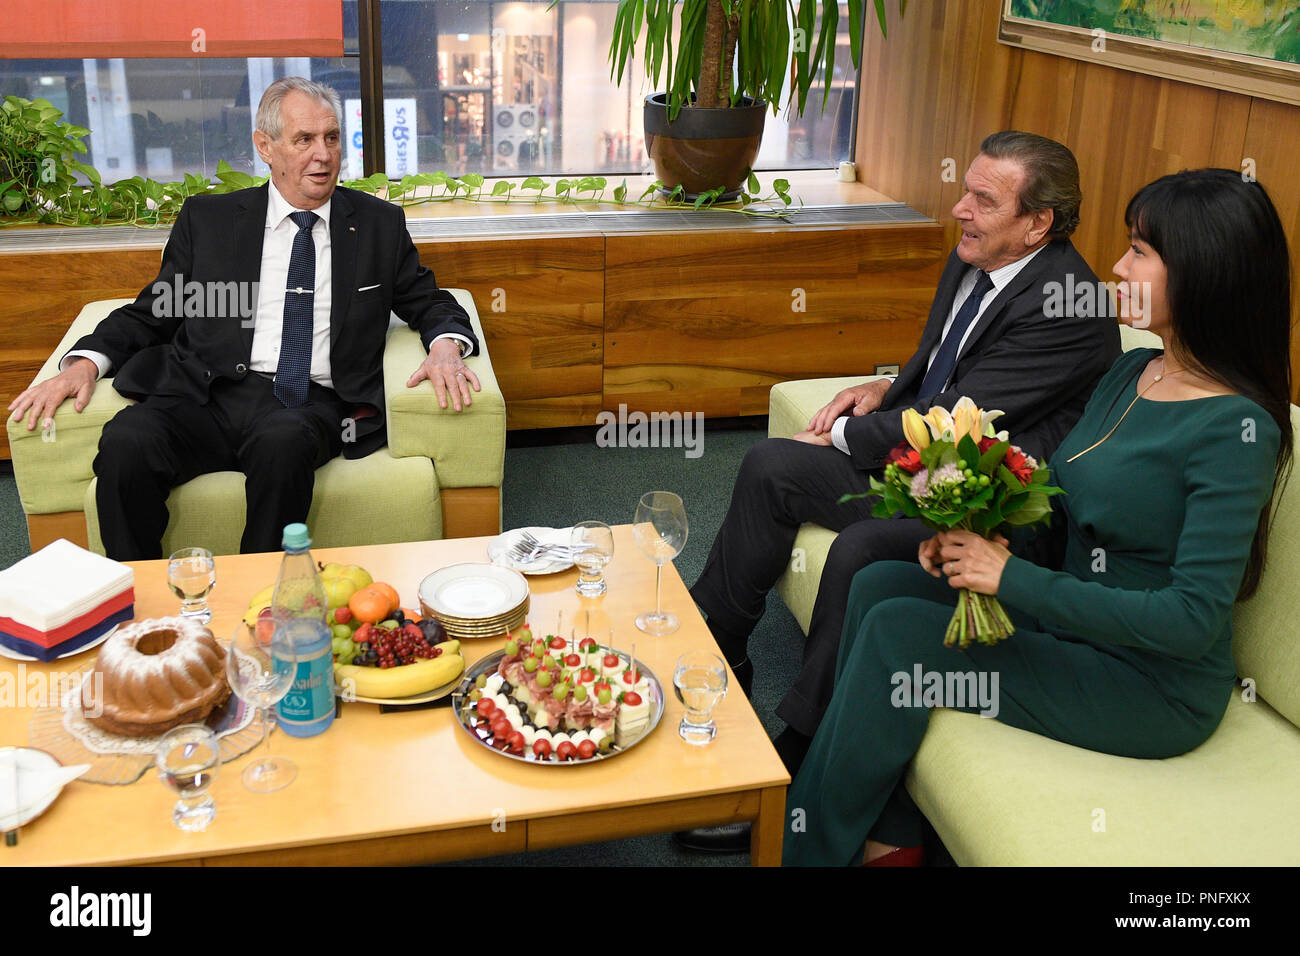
<point>187,759</point>
<point>660,529</point>
<point>261,665</point>
<point>592,547</point>
<point>700,680</point>
<point>191,573</point>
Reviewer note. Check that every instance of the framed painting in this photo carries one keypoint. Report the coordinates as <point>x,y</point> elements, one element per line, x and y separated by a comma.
<point>1246,46</point>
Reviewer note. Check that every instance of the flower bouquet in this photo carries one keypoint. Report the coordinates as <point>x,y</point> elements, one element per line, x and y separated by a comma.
<point>954,471</point>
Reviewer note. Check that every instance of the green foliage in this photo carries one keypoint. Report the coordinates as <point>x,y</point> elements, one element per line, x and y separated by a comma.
<point>987,497</point>
<point>764,46</point>
<point>38,182</point>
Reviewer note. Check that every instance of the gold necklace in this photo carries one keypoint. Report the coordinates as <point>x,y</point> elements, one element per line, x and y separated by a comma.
<point>1159,378</point>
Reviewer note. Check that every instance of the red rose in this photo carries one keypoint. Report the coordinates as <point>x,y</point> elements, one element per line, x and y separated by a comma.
<point>905,457</point>
<point>986,443</point>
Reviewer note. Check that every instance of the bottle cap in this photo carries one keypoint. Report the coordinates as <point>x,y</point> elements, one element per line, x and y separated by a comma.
<point>295,537</point>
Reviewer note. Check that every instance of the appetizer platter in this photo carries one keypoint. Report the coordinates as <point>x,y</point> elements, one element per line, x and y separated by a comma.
<point>558,702</point>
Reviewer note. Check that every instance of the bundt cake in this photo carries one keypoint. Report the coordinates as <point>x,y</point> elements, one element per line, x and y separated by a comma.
<point>154,675</point>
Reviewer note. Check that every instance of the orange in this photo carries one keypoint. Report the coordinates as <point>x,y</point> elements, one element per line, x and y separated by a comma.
<point>394,602</point>
<point>369,605</point>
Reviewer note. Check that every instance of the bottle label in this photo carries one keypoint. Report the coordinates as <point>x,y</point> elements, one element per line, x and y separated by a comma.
<point>311,697</point>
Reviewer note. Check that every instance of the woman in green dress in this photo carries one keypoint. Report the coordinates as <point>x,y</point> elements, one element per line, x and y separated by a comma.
<point>1169,476</point>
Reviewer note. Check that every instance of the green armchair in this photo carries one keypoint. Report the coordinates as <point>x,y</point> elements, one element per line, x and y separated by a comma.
<point>439,476</point>
<point>1000,796</point>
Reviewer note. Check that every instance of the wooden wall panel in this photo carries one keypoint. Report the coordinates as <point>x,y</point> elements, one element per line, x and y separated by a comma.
<point>541,305</point>
<point>941,82</point>
<point>42,294</point>
<point>706,322</point>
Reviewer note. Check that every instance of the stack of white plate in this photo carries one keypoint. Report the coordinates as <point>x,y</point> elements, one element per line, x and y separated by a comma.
<point>475,600</point>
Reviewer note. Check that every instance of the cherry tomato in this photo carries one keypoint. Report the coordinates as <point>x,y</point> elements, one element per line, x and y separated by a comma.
<point>601,685</point>
<point>586,676</point>
<point>542,747</point>
<point>500,725</point>
<point>566,751</point>
<point>611,660</point>
<point>572,660</point>
<point>586,643</point>
<point>587,749</point>
<point>485,706</point>
<point>516,739</point>
<point>631,698</point>
<point>558,643</point>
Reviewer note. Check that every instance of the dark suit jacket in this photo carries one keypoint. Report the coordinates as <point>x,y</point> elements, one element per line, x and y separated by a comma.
<point>218,239</point>
<point>1038,369</point>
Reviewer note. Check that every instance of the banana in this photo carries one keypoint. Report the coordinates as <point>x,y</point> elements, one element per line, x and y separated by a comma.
<point>260,600</point>
<point>405,681</point>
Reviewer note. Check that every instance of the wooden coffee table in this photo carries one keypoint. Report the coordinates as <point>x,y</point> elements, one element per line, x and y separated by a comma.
<point>409,787</point>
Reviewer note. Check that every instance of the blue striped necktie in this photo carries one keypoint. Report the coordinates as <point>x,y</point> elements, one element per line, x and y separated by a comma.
<point>294,371</point>
<point>945,360</point>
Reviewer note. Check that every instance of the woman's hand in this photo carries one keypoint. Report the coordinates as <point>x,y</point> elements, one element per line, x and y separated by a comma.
<point>966,559</point>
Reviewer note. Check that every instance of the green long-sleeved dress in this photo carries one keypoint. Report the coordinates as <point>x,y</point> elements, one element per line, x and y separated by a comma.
<point>1125,651</point>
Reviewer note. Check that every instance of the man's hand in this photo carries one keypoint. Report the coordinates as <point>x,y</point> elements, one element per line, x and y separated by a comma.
<point>862,399</point>
<point>966,559</point>
<point>812,438</point>
<point>40,402</point>
<point>449,375</point>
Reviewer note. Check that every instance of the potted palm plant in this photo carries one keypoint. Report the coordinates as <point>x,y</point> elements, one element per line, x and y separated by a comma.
<point>727,61</point>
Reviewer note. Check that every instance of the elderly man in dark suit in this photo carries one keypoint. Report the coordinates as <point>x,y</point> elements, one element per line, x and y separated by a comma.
<point>278,393</point>
<point>991,336</point>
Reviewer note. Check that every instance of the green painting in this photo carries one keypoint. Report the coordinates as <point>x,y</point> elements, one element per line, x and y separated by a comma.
<point>1269,29</point>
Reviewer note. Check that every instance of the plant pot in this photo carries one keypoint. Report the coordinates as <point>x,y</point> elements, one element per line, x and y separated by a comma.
<point>703,148</point>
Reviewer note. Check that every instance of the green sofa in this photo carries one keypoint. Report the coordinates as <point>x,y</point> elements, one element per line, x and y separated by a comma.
<point>1001,796</point>
<point>439,476</point>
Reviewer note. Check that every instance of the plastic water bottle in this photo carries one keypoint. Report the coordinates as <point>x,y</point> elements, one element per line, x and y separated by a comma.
<point>299,606</point>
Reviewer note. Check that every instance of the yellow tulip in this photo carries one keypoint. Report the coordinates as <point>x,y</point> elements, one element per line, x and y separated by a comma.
<point>914,430</point>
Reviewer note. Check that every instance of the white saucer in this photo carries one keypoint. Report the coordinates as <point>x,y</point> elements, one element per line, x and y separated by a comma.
<point>499,550</point>
<point>27,760</point>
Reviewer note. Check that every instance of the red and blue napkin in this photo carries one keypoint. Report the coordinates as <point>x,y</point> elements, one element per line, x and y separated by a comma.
<point>62,598</point>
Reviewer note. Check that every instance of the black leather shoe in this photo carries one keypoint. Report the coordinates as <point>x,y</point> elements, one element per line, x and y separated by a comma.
<point>728,838</point>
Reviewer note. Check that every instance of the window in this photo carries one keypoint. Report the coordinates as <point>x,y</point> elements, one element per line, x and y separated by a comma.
<point>498,88</point>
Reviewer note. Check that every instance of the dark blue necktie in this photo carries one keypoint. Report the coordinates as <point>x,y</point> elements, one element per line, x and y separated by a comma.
<point>945,360</point>
<point>294,371</point>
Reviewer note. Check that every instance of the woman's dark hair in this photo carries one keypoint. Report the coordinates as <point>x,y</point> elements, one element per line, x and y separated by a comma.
<point>1229,294</point>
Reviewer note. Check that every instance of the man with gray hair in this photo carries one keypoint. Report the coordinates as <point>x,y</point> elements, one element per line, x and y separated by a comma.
<point>278,393</point>
<point>989,336</point>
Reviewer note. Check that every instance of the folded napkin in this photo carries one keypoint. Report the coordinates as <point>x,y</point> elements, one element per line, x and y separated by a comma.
<point>34,788</point>
<point>61,598</point>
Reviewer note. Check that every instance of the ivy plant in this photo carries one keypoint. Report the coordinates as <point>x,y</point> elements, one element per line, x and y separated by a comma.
<point>39,183</point>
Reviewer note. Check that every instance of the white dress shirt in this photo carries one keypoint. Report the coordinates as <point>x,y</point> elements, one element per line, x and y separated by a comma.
<point>268,323</point>
<point>1000,278</point>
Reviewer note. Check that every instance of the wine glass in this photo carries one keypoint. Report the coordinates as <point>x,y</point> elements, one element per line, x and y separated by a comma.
<point>191,573</point>
<point>592,547</point>
<point>700,680</point>
<point>660,529</point>
<point>261,665</point>
<point>187,760</point>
